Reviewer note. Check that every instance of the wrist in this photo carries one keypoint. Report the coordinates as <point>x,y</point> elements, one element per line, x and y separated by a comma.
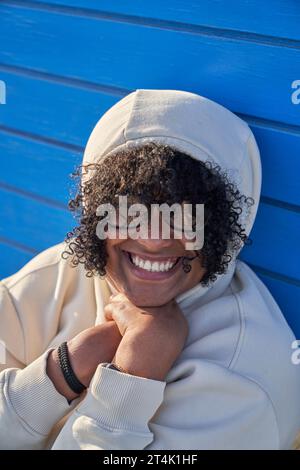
<point>98,344</point>
<point>141,356</point>
<point>55,374</point>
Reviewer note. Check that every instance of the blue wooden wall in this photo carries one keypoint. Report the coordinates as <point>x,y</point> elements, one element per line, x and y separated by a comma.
<point>65,63</point>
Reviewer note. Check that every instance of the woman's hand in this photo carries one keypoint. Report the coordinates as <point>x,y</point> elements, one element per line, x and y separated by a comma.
<point>143,342</point>
<point>87,350</point>
<point>152,337</point>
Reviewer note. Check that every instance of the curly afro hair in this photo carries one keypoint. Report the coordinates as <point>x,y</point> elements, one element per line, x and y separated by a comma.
<point>157,173</point>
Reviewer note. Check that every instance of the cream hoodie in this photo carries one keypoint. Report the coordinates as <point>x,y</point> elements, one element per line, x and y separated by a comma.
<point>234,385</point>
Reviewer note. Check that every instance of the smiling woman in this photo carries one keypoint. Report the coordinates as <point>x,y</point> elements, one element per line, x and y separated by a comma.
<point>157,174</point>
<point>141,343</point>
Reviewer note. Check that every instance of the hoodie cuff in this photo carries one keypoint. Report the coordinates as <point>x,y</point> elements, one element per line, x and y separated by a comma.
<point>121,401</point>
<point>34,397</point>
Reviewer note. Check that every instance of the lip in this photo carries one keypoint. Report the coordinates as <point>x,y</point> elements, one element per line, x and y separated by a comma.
<point>149,275</point>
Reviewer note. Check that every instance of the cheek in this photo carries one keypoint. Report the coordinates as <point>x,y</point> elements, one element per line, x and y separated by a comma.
<point>112,248</point>
<point>189,244</point>
<point>113,260</point>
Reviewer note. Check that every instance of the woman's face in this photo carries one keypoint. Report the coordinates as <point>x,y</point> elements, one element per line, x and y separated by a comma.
<point>130,261</point>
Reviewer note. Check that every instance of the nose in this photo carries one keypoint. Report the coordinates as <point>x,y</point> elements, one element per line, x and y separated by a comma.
<point>155,244</point>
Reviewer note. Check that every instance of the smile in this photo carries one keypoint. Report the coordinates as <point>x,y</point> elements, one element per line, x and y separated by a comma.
<point>151,268</point>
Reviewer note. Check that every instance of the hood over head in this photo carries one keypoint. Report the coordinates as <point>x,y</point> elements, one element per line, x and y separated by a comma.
<point>190,123</point>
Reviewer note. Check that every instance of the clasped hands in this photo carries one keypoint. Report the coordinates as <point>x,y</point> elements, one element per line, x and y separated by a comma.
<point>144,342</point>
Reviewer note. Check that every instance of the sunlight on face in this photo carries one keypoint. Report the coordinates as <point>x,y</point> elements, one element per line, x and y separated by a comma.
<point>149,271</point>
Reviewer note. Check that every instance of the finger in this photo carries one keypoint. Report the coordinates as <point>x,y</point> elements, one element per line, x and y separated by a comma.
<point>108,312</point>
<point>119,297</point>
<point>121,312</point>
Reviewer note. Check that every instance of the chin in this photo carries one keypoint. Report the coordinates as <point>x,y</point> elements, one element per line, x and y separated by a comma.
<point>151,303</point>
<point>143,299</point>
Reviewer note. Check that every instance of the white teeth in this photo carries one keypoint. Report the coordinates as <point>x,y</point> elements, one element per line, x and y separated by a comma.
<point>153,267</point>
<point>161,266</point>
<point>147,266</point>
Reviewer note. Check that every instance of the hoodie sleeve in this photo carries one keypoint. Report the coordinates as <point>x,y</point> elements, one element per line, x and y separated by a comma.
<point>211,409</point>
<point>114,414</point>
<point>29,406</point>
<point>29,403</point>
